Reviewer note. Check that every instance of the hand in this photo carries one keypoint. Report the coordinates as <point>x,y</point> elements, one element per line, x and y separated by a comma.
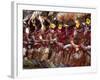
<point>76,48</point>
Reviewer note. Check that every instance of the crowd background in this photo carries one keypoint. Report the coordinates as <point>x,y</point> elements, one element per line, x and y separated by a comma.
<point>56,39</point>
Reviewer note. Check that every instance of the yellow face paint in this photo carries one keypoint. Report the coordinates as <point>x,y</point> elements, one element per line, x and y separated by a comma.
<point>52,26</point>
<point>77,24</point>
<point>88,21</point>
<point>60,26</point>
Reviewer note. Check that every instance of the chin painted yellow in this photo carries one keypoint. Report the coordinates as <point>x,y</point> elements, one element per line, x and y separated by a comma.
<point>60,26</point>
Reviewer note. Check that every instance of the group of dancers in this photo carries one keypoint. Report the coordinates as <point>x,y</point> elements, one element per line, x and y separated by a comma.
<point>56,39</point>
